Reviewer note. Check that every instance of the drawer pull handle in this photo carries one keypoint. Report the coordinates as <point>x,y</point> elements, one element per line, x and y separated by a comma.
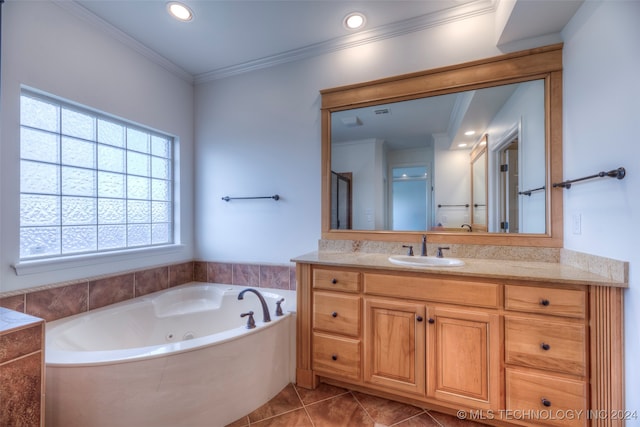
<point>334,357</point>
<point>544,302</point>
<point>419,318</point>
<point>546,402</point>
<point>334,314</point>
<point>432,321</point>
<point>545,346</point>
<point>334,281</point>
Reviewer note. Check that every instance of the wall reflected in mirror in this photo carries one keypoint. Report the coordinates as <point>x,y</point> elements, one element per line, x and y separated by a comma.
<point>409,162</point>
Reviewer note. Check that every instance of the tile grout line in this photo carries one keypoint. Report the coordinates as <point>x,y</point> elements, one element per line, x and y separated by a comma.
<point>304,407</point>
<point>424,411</point>
<point>434,419</point>
<point>362,406</point>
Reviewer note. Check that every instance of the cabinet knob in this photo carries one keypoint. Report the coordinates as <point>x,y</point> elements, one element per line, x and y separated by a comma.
<point>334,314</point>
<point>334,357</point>
<point>432,321</point>
<point>545,346</point>
<point>544,302</point>
<point>334,281</point>
<point>419,318</point>
<point>546,402</point>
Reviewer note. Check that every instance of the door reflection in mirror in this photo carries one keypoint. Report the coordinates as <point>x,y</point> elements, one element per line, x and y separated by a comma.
<point>341,200</point>
<point>410,198</point>
<point>509,203</point>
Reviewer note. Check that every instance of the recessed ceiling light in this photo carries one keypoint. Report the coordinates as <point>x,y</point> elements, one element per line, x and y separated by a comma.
<point>354,21</point>
<point>180,11</point>
<point>462,145</point>
<point>470,132</point>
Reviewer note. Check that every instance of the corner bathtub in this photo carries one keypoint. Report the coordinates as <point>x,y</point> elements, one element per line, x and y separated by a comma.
<point>182,357</point>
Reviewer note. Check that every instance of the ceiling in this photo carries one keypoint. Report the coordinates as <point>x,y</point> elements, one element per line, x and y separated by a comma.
<point>228,37</point>
<point>417,123</point>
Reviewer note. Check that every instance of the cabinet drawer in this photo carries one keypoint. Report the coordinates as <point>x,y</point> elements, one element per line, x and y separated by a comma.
<point>338,313</point>
<point>546,399</point>
<point>558,302</point>
<point>451,291</point>
<point>553,346</point>
<point>336,356</point>
<point>338,280</point>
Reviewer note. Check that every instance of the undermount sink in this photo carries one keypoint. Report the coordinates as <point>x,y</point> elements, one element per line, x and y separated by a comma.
<point>425,261</point>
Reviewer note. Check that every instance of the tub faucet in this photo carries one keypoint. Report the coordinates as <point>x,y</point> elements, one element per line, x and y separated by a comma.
<point>265,309</point>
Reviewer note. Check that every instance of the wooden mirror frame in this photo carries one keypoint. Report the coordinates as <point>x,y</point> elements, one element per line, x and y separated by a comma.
<point>540,63</point>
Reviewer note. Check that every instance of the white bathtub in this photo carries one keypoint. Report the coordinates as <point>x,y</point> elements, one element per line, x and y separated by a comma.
<point>177,358</point>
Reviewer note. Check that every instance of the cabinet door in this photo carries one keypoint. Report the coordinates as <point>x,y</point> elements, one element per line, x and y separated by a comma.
<point>394,343</point>
<point>464,357</point>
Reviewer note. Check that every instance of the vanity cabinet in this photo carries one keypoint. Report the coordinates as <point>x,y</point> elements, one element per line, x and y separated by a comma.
<point>425,338</point>
<point>546,352</point>
<point>517,350</point>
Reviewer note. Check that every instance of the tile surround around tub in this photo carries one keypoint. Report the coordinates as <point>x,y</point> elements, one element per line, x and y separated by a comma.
<point>55,301</point>
<point>258,275</point>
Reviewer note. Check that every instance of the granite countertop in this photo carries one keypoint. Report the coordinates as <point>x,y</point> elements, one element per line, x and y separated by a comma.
<point>484,268</point>
<point>10,319</point>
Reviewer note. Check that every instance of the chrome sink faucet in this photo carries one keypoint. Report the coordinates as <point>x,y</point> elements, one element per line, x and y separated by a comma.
<point>265,309</point>
<point>423,250</point>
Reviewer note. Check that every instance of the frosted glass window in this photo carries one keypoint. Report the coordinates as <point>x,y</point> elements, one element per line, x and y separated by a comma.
<point>79,210</point>
<point>81,125</point>
<point>90,182</point>
<point>138,164</point>
<point>76,152</point>
<point>37,145</point>
<point>137,140</point>
<point>78,182</point>
<point>110,133</point>
<point>110,158</point>
<point>111,211</point>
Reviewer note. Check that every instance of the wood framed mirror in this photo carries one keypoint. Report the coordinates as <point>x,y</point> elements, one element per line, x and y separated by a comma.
<point>480,82</point>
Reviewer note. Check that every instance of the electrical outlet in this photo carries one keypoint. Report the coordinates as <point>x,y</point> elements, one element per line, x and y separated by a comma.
<point>577,223</point>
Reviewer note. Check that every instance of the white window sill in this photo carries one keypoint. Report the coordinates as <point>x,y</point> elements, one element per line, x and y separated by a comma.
<point>46,265</point>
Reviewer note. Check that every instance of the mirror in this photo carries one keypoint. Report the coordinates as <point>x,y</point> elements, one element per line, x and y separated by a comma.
<point>400,141</point>
<point>416,153</point>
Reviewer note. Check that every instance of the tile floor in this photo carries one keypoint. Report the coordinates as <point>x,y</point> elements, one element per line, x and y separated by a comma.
<point>329,406</point>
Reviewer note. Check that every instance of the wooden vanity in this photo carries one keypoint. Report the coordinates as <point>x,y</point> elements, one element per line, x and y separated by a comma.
<point>508,343</point>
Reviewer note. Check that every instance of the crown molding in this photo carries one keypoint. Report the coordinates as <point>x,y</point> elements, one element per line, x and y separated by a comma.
<point>84,14</point>
<point>407,26</point>
<point>399,28</point>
